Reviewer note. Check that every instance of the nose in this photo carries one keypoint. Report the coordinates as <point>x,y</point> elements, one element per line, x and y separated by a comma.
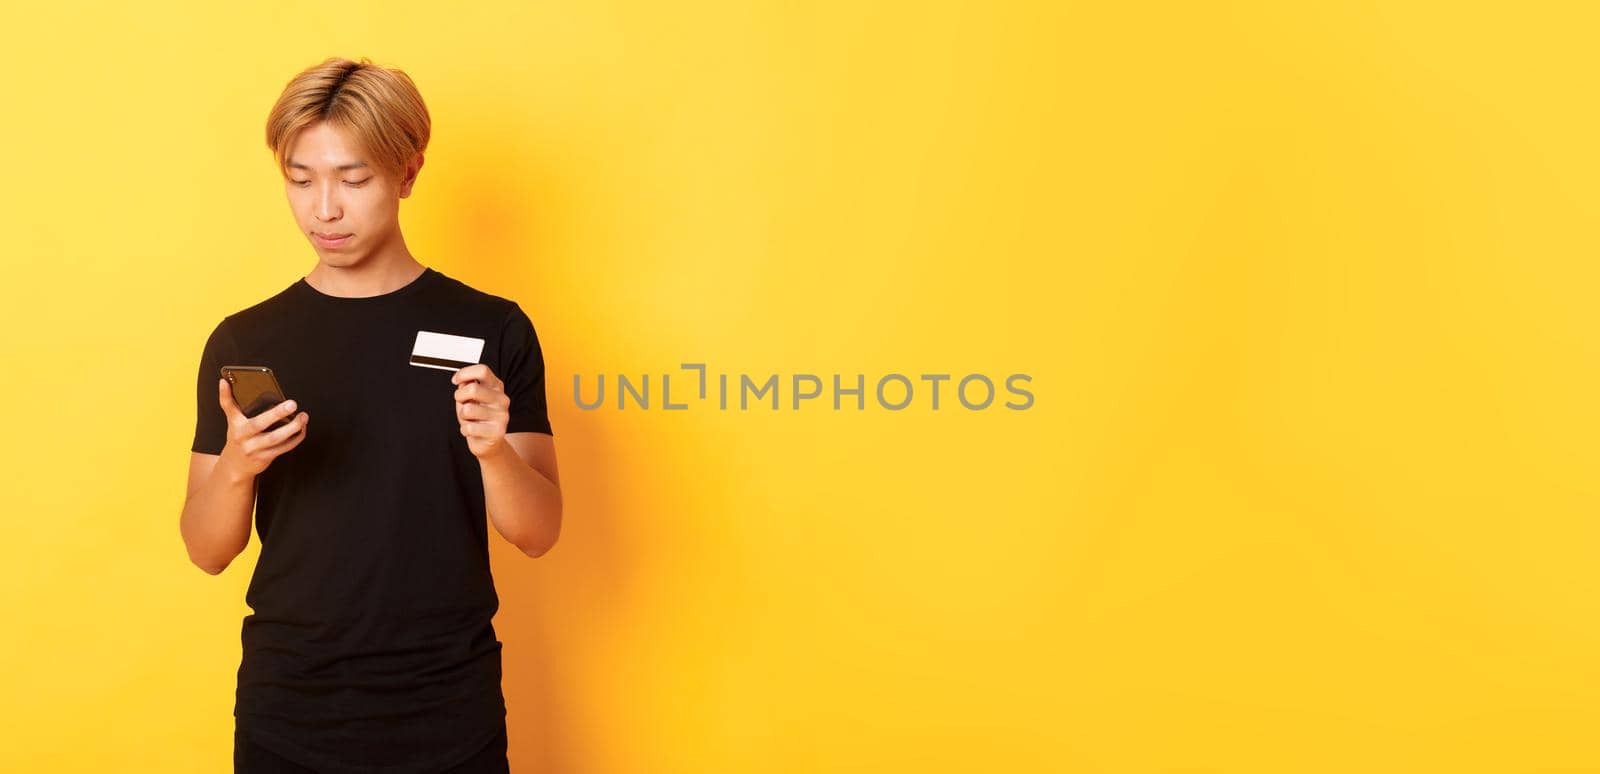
<point>327,206</point>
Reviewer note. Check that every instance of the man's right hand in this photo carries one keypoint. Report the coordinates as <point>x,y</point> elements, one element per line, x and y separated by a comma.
<point>249,444</point>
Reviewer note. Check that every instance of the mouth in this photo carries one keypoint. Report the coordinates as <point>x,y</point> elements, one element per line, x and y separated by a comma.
<point>330,240</point>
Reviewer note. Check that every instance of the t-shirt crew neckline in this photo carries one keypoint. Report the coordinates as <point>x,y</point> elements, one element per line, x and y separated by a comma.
<point>305,288</point>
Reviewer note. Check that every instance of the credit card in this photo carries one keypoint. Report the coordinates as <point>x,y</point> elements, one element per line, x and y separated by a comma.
<point>445,351</point>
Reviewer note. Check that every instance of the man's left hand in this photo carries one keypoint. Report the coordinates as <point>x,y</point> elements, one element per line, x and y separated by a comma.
<point>482,408</point>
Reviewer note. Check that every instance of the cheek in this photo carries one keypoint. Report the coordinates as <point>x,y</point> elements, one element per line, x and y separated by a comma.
<point>373,212</point>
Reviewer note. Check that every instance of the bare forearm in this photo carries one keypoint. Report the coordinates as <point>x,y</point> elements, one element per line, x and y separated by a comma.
<point>216,517</point>
<point>523,504</point>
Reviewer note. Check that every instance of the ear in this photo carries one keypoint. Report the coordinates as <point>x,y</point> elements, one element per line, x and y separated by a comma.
<point>410,178</point>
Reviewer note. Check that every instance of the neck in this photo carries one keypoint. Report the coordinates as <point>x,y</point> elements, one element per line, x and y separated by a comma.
<point>387,268</point>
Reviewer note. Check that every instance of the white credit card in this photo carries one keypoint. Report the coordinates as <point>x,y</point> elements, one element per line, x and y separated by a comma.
<point>445,351</point>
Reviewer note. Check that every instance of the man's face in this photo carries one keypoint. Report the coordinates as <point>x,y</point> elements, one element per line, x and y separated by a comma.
<point>335,191</point>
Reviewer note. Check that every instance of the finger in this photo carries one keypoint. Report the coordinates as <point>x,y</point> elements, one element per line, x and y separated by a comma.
<point>478,426</point>
<point>477,372</point>
<point>268,418</point>
<point>267,441</point>
<point>467,392</point>
<point>479,392</point>
<point>483,424</point>
<point>293,441</point>
<point>225,399</point>
<point>480,411</point>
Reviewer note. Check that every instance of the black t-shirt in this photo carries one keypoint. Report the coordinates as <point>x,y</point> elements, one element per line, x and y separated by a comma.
<point>371,646</point>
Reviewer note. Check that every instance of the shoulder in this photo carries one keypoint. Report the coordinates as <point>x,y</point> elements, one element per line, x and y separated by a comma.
<point>490,304</point>
<point>261,311</point>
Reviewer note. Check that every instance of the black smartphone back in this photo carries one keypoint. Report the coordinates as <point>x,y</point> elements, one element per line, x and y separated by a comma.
<point>255,389</point>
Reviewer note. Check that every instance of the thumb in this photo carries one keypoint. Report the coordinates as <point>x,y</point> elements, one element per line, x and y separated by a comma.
<point>225,399</point>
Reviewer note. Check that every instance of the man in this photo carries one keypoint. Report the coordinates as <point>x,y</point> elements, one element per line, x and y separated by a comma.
<point>370,646</point>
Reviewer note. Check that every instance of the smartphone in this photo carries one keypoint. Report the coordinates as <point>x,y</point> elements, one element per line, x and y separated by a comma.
<point>255,389</point>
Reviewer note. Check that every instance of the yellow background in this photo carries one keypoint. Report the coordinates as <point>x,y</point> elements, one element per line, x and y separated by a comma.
<point>1306,292</point>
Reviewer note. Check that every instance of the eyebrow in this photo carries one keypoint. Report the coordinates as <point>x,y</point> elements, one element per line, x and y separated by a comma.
<point>342,167</point>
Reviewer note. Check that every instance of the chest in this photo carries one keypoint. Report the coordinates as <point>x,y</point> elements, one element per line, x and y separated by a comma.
<point>356,378</point>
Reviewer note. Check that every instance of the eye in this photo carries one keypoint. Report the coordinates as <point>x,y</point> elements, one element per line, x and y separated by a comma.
<point>351,183</point>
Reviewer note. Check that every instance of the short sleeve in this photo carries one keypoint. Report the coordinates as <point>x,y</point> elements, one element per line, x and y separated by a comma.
<point>522,372</point>
<point>211,424</point>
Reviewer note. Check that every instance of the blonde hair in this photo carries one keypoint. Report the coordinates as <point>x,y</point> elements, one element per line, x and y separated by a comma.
<point>379,105</point>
